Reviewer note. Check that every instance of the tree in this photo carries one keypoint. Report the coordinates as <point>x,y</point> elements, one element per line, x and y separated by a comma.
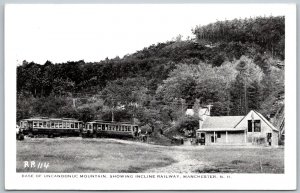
<point>265,32</point>
<point>48,106</point>
<point>86,114</point>
<point>196,107</point>
<point>220,108</point>
<point>125,92</point>
<point>201,81</point>
<point>272,88</point>
<point>119,116</point>
<point>188,125</point>
<point>68,112</point>
<point>254,95</point>
<point>62,87</point>
<point>248,72</point>
<point>25,106</point>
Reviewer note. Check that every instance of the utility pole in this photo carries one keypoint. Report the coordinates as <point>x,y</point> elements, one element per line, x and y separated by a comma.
<point>182,102</point>
<point>74,102</point>
<point>112,111</point>
<point>252,119</point>
<point>245,97</point>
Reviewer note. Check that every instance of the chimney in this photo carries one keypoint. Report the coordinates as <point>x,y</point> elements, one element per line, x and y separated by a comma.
<point>203,113</point>
<point>200,122</point>
<point>201,117</point>
<point>208,109</point>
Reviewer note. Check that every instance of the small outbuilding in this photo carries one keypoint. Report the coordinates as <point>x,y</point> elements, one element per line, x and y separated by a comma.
<point>252,129</point>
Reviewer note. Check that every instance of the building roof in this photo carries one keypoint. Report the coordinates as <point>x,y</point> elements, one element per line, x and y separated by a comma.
<point>203,111</point>
<point>225,122</point>
<point>266,121</point>
<point>223,129</point>
<point>50,119</point>
<point>229,123</point>
<point>189,112</point>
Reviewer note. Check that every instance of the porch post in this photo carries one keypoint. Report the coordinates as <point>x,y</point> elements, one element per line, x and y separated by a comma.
<point>252,131</point>
<point>245,136</point>
<point>214,137</point>
<point>226,137</point>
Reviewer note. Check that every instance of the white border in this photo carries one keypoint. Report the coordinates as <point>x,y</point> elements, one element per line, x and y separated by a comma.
<point>286,181</point>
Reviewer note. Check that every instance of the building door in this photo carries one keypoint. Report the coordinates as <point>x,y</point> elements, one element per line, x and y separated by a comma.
<point>269,139</point>
<point>212,138</point>
<point>202,138</point>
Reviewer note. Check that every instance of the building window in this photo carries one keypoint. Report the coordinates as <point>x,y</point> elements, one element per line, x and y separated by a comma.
<point>218,134</point>
<point>249,126</point>
<point>257,126</point>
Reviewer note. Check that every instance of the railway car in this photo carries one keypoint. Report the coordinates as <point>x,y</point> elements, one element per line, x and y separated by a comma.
<point>51,127</point>
<point>19,133</point>
<point>111,129</point>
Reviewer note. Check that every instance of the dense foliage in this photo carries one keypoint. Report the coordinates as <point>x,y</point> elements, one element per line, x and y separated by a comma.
<point>267,33</point>
<point>232,65</point>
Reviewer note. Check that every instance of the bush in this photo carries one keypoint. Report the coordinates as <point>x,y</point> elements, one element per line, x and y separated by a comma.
<point>119,116</point>
<point>86,114</point>
<point>68,112</point>
<point>187,125</point>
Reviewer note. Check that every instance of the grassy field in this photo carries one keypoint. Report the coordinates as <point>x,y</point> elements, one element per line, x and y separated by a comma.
<point>117,156</point>
<point>242,160</point>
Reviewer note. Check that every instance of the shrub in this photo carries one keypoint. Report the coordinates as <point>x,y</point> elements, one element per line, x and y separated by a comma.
<point>187,125</point>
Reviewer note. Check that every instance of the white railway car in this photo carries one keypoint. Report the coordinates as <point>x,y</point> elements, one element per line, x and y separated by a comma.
<point>51,127</point>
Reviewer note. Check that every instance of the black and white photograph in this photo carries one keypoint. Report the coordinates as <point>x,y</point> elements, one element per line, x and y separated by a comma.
<point>150,92</point>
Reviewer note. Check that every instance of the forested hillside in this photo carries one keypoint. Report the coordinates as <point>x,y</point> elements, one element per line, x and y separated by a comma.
<point>234,65</point>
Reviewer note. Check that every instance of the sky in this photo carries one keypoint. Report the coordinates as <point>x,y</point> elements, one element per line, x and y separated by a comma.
<point>61,33</point>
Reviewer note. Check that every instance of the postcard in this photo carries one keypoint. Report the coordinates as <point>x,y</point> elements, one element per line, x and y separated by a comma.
<point>150,96</point>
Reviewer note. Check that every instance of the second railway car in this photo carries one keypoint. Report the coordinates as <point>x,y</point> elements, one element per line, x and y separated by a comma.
<point>117,129</point>
<point>51,127</point>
